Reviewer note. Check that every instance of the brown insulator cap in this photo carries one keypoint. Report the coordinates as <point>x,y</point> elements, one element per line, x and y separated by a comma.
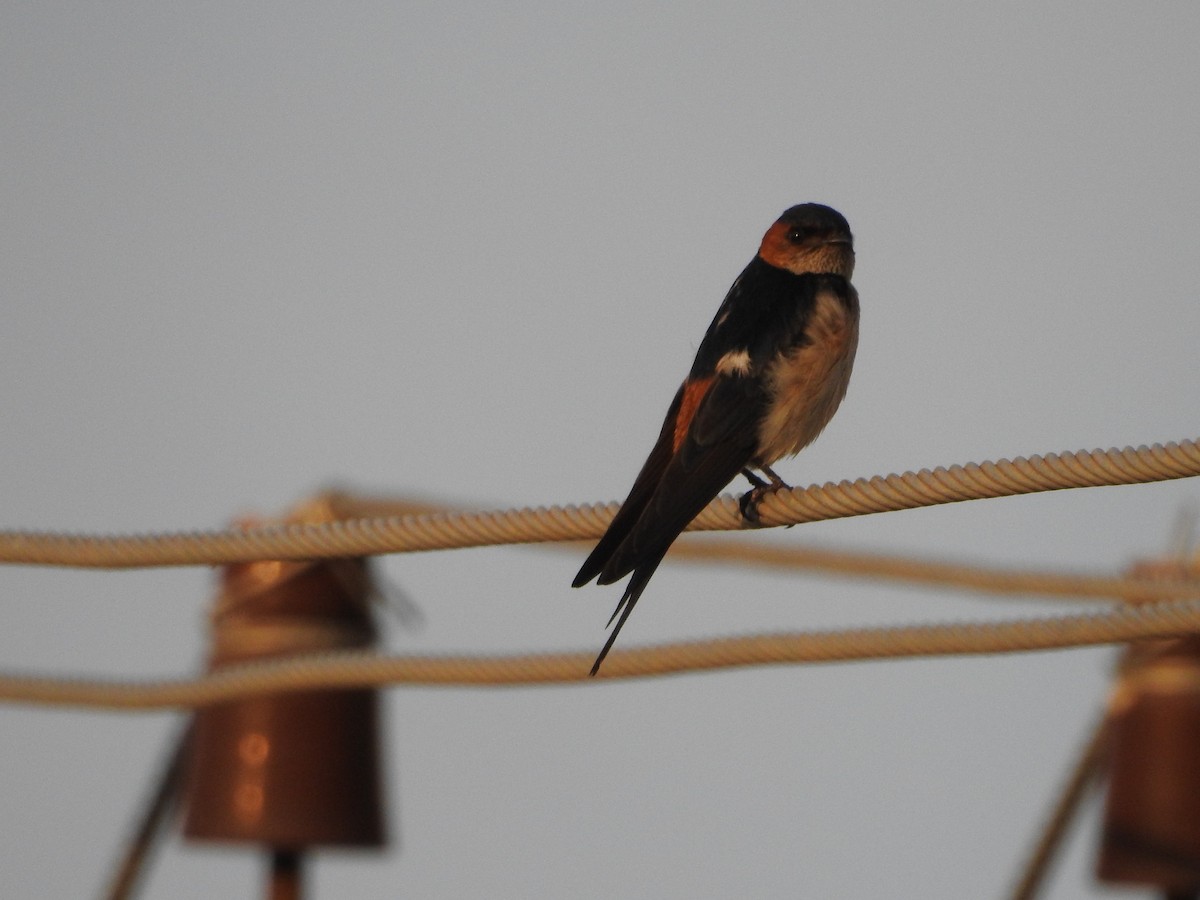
<point>294,769</point>
<point>1152,813</point>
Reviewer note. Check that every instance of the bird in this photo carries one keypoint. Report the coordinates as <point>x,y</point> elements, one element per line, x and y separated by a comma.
<point>768,376</point>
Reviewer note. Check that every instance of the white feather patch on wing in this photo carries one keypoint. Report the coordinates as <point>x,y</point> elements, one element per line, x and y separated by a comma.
<point>735,362</point>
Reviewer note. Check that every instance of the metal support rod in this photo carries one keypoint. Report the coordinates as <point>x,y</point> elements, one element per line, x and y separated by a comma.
<point>159,805</point>
<point>287,874</point>
<point>1087,769</point>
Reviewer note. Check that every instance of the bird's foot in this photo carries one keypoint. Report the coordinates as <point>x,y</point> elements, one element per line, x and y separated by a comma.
<point>751,500</point>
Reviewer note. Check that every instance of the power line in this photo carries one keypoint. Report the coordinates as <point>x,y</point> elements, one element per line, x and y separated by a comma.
<point>345,670</point>
<point>441,531</point>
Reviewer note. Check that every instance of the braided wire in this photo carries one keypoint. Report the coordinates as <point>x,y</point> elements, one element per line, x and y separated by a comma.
<point>344,670</point>
<point>440,531</point>
<point>1178,582</point>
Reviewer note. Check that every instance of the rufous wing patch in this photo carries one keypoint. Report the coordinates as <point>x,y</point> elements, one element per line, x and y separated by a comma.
<point>694,392</point>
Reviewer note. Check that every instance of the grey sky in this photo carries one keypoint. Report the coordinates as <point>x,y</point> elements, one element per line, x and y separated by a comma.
<point>468,253</point>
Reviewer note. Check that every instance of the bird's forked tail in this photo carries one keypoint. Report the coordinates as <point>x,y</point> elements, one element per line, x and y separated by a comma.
<point>633,590</point>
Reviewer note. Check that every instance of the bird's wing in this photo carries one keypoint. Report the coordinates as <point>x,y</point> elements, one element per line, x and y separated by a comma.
<point>716,443</point>
<point>713,437</point>
<point>639,495</point>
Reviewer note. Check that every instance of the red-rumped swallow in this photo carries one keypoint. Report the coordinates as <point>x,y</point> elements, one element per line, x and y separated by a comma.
<point>769,375</point>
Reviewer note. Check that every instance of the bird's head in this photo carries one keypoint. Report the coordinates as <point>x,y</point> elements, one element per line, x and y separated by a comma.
<point>810,239</point>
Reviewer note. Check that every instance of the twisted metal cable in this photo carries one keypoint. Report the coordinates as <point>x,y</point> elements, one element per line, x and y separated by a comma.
<point>347,670</point>
<point>1174,579</point>
<point>440,531</point>
<point>1179,583</point>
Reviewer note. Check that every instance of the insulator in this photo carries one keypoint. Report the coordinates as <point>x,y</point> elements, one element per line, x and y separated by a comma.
<point>1152,812</point>
<point>291,769</point>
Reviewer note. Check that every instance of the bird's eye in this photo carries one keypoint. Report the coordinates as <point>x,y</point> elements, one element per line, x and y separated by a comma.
<point>796,235</point>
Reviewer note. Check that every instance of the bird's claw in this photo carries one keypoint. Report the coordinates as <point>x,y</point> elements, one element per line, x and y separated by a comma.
<point>753,498</point>
<point>748,505</point>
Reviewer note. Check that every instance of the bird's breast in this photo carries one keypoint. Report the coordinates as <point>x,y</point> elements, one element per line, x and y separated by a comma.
<point>806,383</point>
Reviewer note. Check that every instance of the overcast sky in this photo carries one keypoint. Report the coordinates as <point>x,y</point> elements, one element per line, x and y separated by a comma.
<point>467,254</point>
